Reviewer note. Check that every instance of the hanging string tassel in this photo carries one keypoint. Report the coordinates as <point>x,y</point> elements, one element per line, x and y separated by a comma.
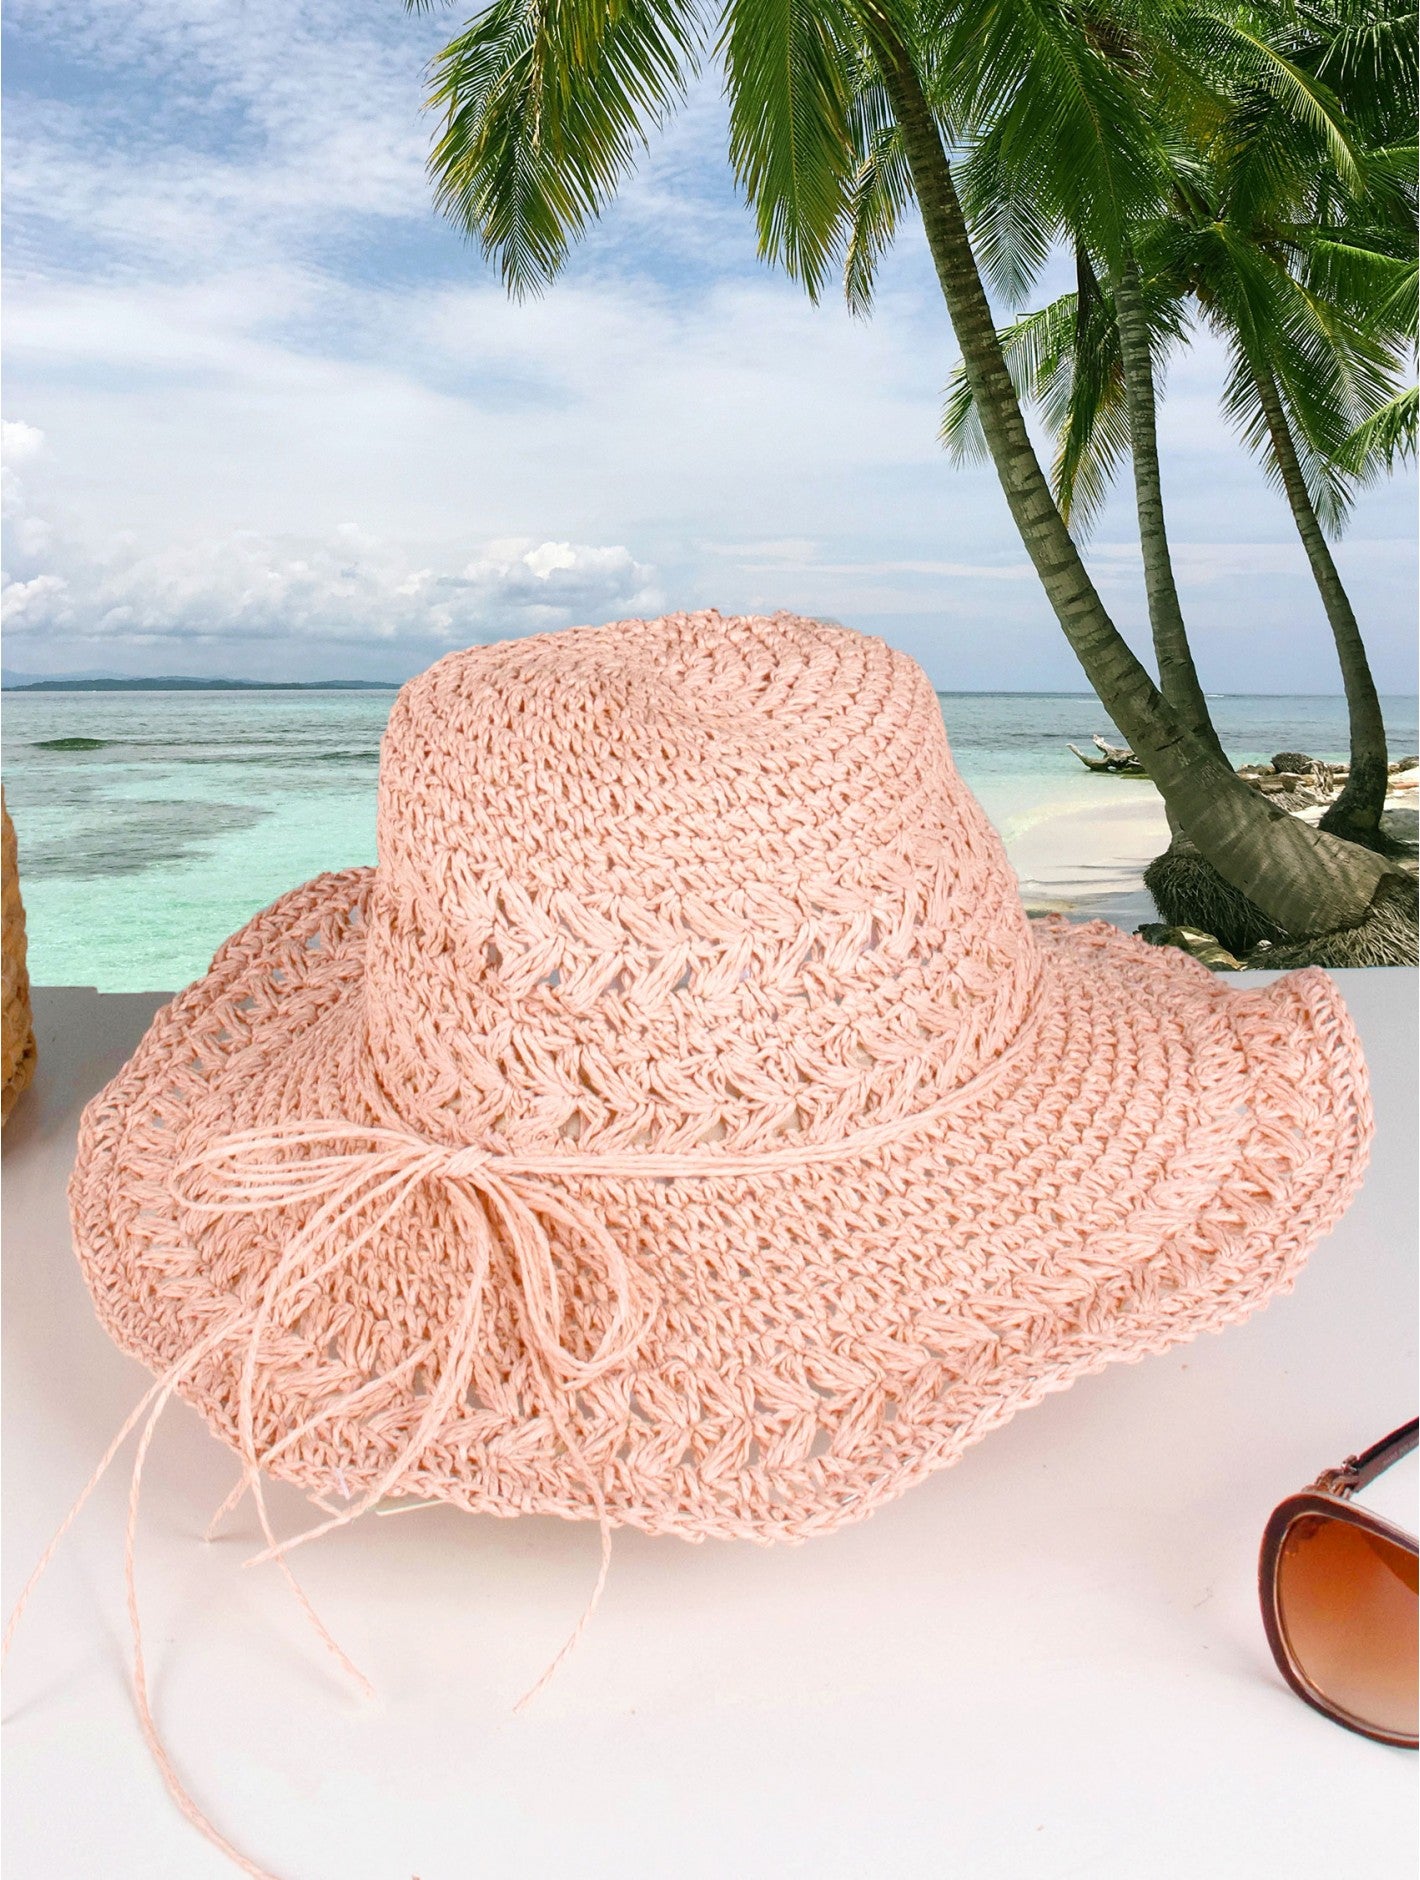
<point>367,1189</point>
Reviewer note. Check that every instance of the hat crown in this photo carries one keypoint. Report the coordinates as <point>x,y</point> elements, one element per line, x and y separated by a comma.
<point>722,871</point>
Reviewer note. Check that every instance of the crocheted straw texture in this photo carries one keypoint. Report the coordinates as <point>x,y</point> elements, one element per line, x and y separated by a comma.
<point>17,1044</point>
<point>684,1125</point>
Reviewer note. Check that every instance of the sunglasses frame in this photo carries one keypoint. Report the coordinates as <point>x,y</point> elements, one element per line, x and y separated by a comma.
<point>1330,1497</point>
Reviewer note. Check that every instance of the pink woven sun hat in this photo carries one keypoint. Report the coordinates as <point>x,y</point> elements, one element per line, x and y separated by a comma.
<point>683,1125</point>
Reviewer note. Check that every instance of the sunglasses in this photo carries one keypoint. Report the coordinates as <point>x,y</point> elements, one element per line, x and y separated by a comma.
<point>1337,1585</point>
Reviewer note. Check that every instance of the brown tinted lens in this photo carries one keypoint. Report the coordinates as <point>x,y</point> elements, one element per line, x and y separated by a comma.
<point>1346,1600</point>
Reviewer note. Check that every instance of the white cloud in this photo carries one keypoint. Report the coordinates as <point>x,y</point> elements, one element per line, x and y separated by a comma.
<point>245,589</point>
<point>795,557</point>
<point>599,413</point>
<point>1206,563</point>
<point>222,135</point>
<point>20,444</point>
<point>239,323</point>
<point>42,601</point>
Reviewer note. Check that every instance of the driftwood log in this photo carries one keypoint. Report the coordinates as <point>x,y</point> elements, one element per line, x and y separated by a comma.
<point>1300,781</point>
<point>1117,758</point>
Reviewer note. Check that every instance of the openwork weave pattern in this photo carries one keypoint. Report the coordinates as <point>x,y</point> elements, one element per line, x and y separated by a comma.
<point>683,1125</point>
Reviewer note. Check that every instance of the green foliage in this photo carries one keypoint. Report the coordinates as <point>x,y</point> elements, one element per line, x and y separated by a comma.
<point>1064,358</point>
<point>1256,161</point>
<point>1059,134</point>
<point>880,192</point>
<point>545,105</point>
<point>788,71</point>
<point>1282,226</point>
<point>1385,439</point>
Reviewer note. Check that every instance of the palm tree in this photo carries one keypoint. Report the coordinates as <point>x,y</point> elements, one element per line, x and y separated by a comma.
<point>1310,291</point>
<point>1301,423</point>
<point>545,105</point>
<point>1302,373</point>
<point>1017,198</point>
<point>1300,248</point>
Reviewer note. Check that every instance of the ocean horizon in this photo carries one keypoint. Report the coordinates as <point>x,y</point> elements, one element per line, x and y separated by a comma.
<point>152,823</point>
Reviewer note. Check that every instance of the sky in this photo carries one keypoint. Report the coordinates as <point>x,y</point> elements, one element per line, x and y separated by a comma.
<point>267,416</point>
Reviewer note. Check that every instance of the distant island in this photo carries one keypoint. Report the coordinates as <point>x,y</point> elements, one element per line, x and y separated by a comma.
<point>172,684</point>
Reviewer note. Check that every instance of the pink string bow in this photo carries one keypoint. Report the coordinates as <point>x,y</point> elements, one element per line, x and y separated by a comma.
<point>367,1176</point>
<point>361,1181</point>
<point>368,1173</point>
<point>365,1179</point>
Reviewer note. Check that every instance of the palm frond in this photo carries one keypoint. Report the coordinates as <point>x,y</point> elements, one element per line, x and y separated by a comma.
<point>1090,415</point>
<point>1328,487</point>
<point>1036,348</point>
<point>1325,377</point>
<point>1368,57</point>
<point>787,72</point>
<point>545,106</point>
<point>1012,230</point>
<point>1387,438</point>
<point>1064,358</point>
<point>1380,289</point>
<point>879,192</point>
<point>960,430</point>
<point>1261,57</point>
<point>1070,142</point>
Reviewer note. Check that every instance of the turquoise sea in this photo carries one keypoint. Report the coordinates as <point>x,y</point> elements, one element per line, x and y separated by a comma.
<point>151,824</point>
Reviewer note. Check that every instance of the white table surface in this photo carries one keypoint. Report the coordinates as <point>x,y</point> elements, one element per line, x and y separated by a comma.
<point>1044,1662</point>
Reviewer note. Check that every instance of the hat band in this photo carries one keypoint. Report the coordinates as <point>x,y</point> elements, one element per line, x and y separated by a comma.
<point>247,1173</point>
<point>507,1201</point>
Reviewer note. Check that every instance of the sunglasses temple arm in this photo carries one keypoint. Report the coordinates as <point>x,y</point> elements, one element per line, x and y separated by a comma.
<point>1358,1470</point>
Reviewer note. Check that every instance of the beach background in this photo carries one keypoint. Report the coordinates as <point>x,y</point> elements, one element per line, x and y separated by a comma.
<point>152,824</point>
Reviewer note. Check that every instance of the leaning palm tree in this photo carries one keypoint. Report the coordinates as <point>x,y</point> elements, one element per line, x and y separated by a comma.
<point>545,105</point>
<point>1310,387</point>
<point>1016,199</point>
<point>1279,226</point>
<point>1300,249</point>
<point>1297,396</point>
<point>1292,239</point>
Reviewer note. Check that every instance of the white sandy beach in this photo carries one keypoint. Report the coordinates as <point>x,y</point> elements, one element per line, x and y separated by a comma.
<point>1090,862</point>
<point>1075,859</point>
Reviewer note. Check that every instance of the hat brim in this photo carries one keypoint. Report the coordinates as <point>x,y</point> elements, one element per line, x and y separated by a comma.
<point>1157,1165</point>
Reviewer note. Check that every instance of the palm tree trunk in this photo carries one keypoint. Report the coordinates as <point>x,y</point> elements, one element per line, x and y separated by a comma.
<point>1356,813</point>
<point>1178,676</point>
<point>1304,881</point>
